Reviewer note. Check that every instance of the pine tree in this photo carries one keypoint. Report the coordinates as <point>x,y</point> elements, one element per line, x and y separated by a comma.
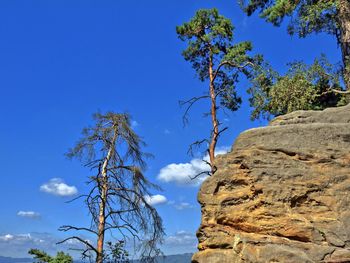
<point>306,17</point>
<point>220,62</point>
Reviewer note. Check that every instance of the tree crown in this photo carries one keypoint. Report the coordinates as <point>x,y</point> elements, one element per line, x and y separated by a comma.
<point>306,16</point>
<point>43,257</point>
<point>97,139</point>
<point>210,46</point>
<point>303,87</point>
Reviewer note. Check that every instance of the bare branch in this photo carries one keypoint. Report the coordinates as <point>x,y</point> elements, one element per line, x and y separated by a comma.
<point>344,92</point>
<point>221,131</point>
<point>110,213</point>
<point>226,62</point>
<point>66,228</point>
<point>76,198</point>
<point>81,240</point>
<point>190,103</point>
<point>199,174</point>
<point>196,144</point>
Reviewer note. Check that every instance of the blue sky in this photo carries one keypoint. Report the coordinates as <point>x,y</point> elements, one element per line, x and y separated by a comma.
<point>62,60</point>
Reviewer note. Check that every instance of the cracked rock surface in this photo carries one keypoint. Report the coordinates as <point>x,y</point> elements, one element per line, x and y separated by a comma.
<point>281,194</point>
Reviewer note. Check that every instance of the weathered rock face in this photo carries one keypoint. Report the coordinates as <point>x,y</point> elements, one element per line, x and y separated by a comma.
<point>282,194</point>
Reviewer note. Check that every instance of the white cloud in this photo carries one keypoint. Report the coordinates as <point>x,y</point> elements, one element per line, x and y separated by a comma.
<point>166,131</point>
<point>6,237</point>
<point>29,214</point>
<point>155,199</point>
<point>181,173</point>
<point>77,242</point>
<point>183,205</point>
<point>182,238</point>
<point>17,245</point>
<point>16,238</point>
<point>56,186</point>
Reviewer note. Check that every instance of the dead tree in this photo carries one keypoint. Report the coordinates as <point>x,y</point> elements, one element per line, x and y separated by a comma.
<point>116,201</point>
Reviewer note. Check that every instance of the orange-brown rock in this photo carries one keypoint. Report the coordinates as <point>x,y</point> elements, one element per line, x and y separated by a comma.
<point>281,194</point>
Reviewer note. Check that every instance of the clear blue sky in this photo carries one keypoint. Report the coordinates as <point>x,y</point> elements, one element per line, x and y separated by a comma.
<point>62,60</point>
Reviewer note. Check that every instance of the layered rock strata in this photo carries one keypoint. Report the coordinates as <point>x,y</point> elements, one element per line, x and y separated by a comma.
<point>281,194</point>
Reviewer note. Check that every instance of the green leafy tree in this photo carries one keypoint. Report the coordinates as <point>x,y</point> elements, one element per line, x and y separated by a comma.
<point>303,87</point>
<point>306,17</point>
<point>218,61</point>
<point>116,201</point>
<point>43,257</point>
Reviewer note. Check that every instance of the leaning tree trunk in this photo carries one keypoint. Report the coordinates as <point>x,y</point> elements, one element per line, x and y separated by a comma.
<point>344,23</point>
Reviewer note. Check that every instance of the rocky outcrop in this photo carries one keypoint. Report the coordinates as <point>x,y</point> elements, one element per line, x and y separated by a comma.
<point>281,194</point>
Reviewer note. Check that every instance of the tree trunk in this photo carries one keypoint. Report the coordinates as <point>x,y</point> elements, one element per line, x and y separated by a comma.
<point>101,220</point>
<point>344,21</point>
<point>102,207</point>
<point>215,132</point>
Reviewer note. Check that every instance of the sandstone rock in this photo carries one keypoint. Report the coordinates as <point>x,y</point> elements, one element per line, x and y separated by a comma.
<point>281,194</point>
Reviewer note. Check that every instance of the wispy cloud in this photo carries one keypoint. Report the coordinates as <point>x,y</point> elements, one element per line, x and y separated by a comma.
<point>155,199</point>
<point>17,238</point>
<point>57,186</point>
<point>182,238</point>
<point>166,131</point>
<point>6,237</point>
<point>17,245</point>
<point>29,214</point>
<point>181,173</point>
<point>183,205</point>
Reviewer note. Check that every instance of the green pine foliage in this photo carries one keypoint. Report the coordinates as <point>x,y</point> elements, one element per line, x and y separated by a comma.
<point>43,257</point>
<point>209,38</point>
<point>307,17</point>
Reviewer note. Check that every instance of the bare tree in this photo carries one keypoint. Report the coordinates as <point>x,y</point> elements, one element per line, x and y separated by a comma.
<point>116,201</point>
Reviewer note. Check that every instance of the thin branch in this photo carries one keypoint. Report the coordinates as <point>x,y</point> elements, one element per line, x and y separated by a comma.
<point>79,239</point>
<point>199,174</point>
<point>128,227</point>
<point>196,144</point>
<point>190,103</point>
<point>76,198</point>
<point>66,228</point>
<point>222,130</point>
<point>248,63</point>
<point>110,213</point>
<point>335,91</point>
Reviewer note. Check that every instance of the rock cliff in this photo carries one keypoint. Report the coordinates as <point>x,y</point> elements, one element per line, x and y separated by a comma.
<point>281,194</point>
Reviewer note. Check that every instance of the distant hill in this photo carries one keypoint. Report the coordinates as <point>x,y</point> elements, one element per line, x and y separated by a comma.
<point>182,258</point>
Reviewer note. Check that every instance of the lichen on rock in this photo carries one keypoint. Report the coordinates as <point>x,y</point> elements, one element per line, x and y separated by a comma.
<point>281,194</point>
